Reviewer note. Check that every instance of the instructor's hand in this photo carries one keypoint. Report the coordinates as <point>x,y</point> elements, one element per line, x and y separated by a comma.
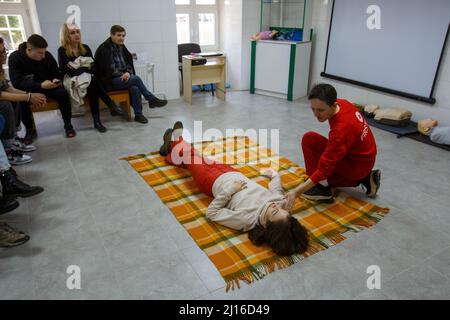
<point>290,201</point>
<point>238,186</point>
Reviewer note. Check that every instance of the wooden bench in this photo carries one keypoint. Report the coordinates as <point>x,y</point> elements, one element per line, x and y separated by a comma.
<point>120,96</point>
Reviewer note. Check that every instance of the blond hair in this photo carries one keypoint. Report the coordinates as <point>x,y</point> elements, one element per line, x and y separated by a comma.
<point>64,38</point>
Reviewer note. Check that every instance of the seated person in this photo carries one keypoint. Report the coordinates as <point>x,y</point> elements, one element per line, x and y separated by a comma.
<point>438,134</point>
<point>33,69</point>
<point>12,187</point>
<point>8,96</point>
<point>71,49</point>
<point>346,158</point>
<point>265,35</point>
<point>115,68</point>
<point>239,203</point>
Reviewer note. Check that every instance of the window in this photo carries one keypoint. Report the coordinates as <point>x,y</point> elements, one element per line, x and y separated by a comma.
<point>14,23</point>
<point>197,22</point>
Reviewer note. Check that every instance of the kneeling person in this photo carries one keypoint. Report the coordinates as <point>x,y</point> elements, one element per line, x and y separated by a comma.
<point>346,158</point>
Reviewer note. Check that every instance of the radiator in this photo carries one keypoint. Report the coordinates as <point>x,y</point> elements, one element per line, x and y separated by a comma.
<point>145,71</point>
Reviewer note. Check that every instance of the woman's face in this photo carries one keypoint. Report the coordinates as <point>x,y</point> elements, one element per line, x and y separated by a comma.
<point>74,35</point>
<point>274,213</point>
<point>322,111</point>
<point>3,53</point>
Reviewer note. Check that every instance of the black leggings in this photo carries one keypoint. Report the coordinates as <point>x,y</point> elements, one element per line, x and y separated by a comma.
<point>94,92</point>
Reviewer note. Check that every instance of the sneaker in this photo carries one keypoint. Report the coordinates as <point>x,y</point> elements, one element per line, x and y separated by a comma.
<point>157,103</point>
<point>22,147</point>
<point>320,194</point>
<point>17,158</point>
<point>165,148</point>
<point>10,237</point>
<point>141,119</point>
<point>70,131</point>
<point>372,183</point>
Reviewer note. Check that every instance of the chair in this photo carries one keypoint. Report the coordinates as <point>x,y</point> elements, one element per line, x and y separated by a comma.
<point>185,49</point>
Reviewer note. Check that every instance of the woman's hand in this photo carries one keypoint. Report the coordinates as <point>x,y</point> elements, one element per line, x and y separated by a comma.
<point>38,99</point>
<point>238,186</point>
<point>290,201</point>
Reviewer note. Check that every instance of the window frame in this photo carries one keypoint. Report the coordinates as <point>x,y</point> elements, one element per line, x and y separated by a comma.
<point>18,8</point>
<point>193,10</point>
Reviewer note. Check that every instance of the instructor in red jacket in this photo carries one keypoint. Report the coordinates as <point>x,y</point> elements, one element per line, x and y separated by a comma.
<point>346,158</point>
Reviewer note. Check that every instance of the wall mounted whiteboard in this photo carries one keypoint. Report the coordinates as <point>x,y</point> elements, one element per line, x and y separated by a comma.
<point>395,46</point>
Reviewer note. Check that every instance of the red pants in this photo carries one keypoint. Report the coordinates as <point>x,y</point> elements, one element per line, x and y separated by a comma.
<point>203,171</point>
<point>348,173</point>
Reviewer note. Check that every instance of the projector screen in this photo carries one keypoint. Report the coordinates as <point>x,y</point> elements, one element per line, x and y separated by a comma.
<point>394,46</point>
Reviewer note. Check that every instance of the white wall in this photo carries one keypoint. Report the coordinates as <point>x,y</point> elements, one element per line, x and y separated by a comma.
<point>441,110</point>
<point>251,24</point>
<point>239,20</point>
<point>150,25</point>
<point>231,40</point>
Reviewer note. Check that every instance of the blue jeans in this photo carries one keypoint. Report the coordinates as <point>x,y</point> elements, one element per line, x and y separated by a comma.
<point>4,163</point>
<point>136,88</point>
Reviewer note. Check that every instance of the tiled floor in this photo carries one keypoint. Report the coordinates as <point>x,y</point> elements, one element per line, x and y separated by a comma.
<point>97,213</point>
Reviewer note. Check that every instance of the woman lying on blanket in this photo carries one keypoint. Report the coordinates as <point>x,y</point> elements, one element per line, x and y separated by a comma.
<point>239,203</point>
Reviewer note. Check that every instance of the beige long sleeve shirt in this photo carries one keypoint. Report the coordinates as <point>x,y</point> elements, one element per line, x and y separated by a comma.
<point>242,210</point>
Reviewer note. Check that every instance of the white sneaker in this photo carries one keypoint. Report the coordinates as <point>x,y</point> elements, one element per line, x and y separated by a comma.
<point>16,158</point>
<point>22,147</point>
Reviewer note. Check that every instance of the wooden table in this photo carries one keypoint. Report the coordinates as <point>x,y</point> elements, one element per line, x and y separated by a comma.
<point>214,71</point>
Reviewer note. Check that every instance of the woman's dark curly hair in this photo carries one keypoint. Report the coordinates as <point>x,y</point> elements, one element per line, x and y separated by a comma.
<point>285,237</point>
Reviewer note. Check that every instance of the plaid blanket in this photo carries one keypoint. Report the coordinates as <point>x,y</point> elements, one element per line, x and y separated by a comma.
<point>236,258</point>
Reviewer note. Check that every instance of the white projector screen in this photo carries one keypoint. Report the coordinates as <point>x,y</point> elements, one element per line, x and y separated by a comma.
<point>394,46</point>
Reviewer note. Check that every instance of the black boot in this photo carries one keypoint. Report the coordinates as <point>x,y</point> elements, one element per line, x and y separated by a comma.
<point>98,125</point>
<point>13,187</point>
<point>157,103</point>
<point>115,109</point>
<point>8,204</point>
<point>165,148</point>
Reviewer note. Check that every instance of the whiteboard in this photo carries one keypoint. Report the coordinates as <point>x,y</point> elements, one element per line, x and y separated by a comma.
<point>394,46</point>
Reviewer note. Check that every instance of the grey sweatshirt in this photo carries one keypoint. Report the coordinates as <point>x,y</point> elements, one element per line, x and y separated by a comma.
<point>245,209</point>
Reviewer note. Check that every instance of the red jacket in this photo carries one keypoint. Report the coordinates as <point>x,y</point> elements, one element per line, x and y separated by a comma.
<point>350,138</point>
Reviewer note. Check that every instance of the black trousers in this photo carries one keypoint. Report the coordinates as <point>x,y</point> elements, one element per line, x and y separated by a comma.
<point>60,95</point>
<point>97,91</point>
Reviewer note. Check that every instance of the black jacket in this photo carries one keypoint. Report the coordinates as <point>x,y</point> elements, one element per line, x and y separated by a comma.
<point>104,61</point>
<point>64,60</point>
<point>27,74</point>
